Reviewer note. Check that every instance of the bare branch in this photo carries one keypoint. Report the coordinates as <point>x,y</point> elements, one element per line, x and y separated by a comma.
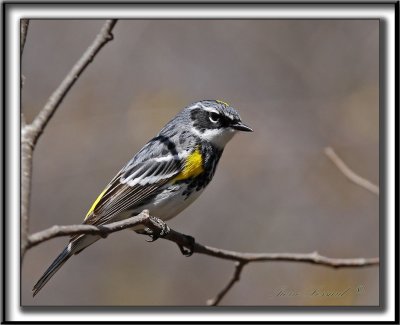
<point>311,258</point>
<point>235,278</point>
<point>182,239</point>
<point>26,159</point>
<point>24,32</point>
<point>241,258</point>
<point>30,133</point>
<point>352,176</point>
<point>58,231</point>
<point>26,180</point>
<point>58,95</point>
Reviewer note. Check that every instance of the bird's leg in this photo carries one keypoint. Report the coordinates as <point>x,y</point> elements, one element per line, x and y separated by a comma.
<point>187,249</point>
<point>157,229</point>
<point>103,231</point>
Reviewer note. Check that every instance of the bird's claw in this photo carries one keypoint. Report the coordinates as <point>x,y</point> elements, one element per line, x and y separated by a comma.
<point>103,231</point>
<point>188,249</point>
<point>160,230</point>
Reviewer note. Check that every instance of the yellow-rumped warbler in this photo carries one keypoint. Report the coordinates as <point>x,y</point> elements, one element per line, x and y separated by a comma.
<point>165,176</point>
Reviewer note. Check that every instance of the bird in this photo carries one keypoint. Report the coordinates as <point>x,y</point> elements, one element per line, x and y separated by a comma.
<point>164,177</point>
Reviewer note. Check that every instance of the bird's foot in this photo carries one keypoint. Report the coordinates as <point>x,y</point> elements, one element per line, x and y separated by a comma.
<point>159,230</point>
<point>103,231</point>
<point>187,249</point>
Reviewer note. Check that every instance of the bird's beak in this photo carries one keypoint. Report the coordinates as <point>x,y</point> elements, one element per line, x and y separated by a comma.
<point>241,127</point>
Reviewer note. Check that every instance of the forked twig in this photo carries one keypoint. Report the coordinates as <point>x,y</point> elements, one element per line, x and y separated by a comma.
<point>235,278</point>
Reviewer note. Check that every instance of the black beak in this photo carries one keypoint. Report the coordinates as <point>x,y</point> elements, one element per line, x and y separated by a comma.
<point>241,127</point>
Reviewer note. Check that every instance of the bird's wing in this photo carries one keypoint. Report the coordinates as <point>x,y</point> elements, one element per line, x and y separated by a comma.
<point>136,182</point>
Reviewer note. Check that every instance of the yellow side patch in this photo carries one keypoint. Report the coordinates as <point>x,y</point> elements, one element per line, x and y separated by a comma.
<point>96,202</point>
<point>193,166</point>
<point>222,102</point>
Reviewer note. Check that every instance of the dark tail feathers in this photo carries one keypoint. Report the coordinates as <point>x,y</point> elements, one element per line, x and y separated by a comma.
<point>58,262</point>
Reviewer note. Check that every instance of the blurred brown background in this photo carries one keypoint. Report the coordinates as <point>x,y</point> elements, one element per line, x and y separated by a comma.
<point>301,84</point>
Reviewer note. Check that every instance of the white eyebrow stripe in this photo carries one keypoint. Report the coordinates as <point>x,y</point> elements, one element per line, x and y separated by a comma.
<point>208,109</point>
<point>211,110</point>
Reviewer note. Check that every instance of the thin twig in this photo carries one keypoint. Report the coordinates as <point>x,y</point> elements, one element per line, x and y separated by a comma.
<point>235,278</point>
<point>26,183</point>
<point>352,176</point>
<point>41,120</point>
<point>59,231</point>
<point>24,32</point>
<point>30,133</point>
<point>311,258</point>
<point>26,159</point>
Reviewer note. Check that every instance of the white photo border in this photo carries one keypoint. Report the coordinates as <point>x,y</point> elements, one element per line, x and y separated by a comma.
<point>387,12</point>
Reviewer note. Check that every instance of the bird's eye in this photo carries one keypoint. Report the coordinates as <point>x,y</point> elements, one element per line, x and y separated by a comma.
<point>214,117</point>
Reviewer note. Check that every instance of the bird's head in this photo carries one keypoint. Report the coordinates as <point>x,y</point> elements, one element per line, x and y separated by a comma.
<point>215,121</point>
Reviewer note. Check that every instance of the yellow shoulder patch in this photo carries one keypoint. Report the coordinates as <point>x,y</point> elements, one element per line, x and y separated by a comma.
<point>193,166</point>
<point>222,102</point>
<point>96,202</point>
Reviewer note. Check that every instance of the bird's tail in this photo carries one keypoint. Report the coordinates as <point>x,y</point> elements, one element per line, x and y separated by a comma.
<point>53,268</point>
<point>74,247</point>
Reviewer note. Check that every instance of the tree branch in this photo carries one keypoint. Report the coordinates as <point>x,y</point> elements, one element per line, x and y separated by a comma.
<point>241,259</point>
<point>30,133</point>
<point>59,231</point>
<point>26,183</point>
<point>235,278</point>
<point>182,239</point>
<point>26,153</point>
<point>352,176</point>
<point>24,32</point>
<point>312,258</point>
<point>41,120</point>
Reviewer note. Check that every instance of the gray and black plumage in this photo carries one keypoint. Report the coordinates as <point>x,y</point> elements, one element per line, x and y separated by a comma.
<point>165,176</point>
